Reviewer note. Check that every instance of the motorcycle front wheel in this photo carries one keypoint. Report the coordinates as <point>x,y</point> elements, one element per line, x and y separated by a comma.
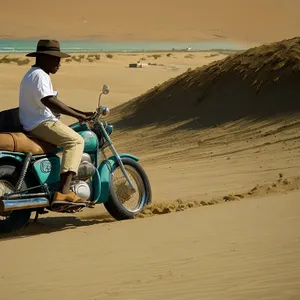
<point>124,203</point>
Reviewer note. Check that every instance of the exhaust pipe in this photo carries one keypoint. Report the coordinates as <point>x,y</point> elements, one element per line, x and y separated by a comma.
<point>19,204</point>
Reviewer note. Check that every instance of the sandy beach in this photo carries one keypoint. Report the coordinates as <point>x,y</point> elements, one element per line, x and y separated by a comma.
<point>218,135</point>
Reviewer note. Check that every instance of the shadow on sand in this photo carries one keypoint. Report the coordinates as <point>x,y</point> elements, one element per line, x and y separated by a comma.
<point>51,224</point>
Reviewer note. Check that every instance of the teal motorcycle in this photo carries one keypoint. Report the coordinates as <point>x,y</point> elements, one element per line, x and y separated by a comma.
<point>28,180</point>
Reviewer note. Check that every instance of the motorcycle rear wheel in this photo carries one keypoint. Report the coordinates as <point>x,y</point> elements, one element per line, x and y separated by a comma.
<point>15,220</point>
<point>120,193</point>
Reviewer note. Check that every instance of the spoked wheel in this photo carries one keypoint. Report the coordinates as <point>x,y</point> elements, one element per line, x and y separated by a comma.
<point>15,220</point>
<point>124,203</point>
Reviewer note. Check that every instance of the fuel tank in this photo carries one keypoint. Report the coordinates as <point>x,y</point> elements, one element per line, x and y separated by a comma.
<point>89,137</point>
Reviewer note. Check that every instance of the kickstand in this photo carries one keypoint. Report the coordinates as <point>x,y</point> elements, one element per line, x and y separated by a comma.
<point>36,217</point>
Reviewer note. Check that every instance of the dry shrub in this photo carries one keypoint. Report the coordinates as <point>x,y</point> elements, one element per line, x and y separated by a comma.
<point>156,56</point>
<point>18,61</point>
<point>212,55</point>
<point>74,57</point>
<point>23,62</point>
<point>5,60</point>
<point>191,56</point>
<point>93,56</point>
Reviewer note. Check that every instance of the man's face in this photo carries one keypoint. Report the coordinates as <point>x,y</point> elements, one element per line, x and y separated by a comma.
<point>54,64</point>
<point>51,63</point>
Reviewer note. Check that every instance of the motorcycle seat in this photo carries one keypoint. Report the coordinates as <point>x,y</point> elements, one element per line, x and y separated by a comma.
<point>20,142</point>
<point>14,139</point>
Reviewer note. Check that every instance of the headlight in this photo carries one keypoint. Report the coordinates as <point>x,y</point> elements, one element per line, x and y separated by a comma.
<point>105,111</point>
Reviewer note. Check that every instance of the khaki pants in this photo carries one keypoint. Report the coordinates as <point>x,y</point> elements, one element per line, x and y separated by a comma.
<point>59,134</point>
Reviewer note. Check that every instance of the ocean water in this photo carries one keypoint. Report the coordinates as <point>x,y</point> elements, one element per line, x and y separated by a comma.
<point>26,46</point>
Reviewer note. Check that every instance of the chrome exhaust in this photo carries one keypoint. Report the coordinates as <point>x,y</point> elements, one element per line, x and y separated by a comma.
<point>19,204</point>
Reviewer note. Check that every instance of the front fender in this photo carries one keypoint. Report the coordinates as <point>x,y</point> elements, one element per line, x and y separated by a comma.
<point>104,170</point>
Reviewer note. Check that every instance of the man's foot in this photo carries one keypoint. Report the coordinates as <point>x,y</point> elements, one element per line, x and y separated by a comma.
<point>70,197</point>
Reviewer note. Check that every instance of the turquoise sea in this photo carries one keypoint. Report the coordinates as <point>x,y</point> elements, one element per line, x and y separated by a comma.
<point>25,46</point>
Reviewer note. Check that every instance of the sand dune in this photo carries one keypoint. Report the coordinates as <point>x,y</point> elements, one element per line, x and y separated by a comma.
<point>191,20</point>
<point>225,175</point>
<point>258,83</point>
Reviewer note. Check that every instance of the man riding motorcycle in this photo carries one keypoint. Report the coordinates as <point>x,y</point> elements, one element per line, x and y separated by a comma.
<point>38,106</point>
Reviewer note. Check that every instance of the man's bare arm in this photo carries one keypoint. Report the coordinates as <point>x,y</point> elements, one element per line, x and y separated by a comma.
<point>58,106</point>
<point>87,114</point>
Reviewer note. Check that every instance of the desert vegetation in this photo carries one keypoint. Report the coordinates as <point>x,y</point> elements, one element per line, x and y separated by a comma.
<point>16,60</point>
<point>191,56</point>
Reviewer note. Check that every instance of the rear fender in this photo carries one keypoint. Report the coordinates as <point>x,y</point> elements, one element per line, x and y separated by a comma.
<point>16,157</point>
<point>105,170</point>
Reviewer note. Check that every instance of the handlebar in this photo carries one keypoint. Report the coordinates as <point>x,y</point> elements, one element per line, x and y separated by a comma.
<point>100,111</point>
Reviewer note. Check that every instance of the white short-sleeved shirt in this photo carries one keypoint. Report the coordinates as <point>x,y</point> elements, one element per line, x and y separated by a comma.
<point>36,84</point>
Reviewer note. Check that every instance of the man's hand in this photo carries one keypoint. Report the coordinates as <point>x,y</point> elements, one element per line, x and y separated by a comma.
<point>89,114</point>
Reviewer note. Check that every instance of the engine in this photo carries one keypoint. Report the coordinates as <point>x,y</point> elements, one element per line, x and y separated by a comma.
<point>86,170</point>
<point>81,189</point>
